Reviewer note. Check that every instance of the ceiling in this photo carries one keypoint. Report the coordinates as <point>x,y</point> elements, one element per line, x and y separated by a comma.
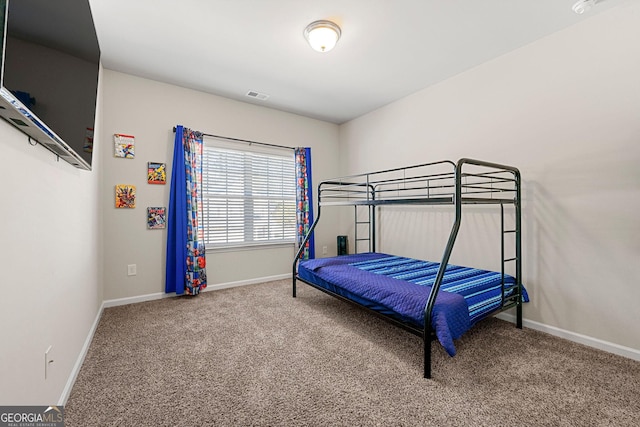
<point>388,49</point>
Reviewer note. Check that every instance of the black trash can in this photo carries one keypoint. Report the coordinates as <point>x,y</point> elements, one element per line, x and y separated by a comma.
<point>343,245</point>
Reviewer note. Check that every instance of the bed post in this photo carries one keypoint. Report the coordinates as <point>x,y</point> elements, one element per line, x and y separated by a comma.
<point>518,249</point>
<point>294,285</point>
<point>427,352</point>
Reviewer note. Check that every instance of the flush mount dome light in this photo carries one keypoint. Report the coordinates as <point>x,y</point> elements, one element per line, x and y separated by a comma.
<point>322,35</point>
<point>582,6</point>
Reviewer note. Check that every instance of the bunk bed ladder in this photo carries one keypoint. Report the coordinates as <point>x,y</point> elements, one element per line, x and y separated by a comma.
<point>368,221</point>
<point>505,289</point>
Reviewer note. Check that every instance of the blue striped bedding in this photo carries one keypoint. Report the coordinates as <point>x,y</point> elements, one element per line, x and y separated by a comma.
<point>399,287</point>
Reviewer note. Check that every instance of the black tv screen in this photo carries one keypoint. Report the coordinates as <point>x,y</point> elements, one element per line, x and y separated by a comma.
<point>49,74</point>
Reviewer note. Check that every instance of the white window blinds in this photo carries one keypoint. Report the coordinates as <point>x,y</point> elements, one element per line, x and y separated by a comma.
<point>249,195</point>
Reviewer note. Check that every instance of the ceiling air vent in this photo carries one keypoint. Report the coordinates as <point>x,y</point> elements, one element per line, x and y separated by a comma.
<point>257,95</point>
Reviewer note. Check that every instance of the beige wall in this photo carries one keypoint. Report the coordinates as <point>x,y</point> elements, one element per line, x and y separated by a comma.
<point>566,111</point>
<point>50,263</point>
<point>149,110</point>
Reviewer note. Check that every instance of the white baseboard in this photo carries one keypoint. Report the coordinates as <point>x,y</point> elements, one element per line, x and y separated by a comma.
<point>151,297</point>
<point>83,353</point>
<point>247,282</point>
<point>142,298</point>
<point>133,300</point>
<point>609,347</point>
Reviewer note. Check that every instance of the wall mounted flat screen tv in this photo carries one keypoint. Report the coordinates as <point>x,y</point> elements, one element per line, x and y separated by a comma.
<point>49,74</point>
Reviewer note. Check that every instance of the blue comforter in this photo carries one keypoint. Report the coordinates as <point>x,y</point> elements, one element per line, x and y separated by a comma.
<point>399,287</point>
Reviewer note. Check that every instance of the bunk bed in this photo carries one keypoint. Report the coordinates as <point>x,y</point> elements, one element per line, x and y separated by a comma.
<point>435,300</point>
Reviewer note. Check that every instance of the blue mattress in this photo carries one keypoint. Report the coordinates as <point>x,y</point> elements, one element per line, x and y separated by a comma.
<point>399,287</point>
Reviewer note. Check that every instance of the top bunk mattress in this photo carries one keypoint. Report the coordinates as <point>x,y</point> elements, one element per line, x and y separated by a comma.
<point>399,287</point>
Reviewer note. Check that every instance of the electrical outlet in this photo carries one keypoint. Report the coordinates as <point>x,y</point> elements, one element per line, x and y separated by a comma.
<point>132,270</point>
<point>47,361</point>
<point>324,250</point>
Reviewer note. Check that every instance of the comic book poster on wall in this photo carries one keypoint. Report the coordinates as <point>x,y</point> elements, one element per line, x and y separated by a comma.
<point>156,173</point>
<point>125,196</point>
<point>156,218</point>
<point>124,146</point>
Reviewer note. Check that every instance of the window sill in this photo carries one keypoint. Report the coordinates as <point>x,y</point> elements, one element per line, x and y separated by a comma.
<point>250,247</point>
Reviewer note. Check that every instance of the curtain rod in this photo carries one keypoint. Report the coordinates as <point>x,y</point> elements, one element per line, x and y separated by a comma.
<point>243,140</point>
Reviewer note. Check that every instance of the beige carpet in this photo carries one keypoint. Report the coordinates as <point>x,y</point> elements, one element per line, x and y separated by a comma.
<point>255,356</point>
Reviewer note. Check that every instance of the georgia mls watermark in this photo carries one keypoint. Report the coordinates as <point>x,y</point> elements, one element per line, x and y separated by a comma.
<point>31,416</point>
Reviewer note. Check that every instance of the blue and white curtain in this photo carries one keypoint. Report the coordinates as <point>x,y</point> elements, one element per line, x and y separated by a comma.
<point>304,201</point>
<point>186,263</point>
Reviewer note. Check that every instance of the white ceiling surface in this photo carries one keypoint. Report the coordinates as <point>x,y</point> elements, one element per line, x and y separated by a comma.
<point>388,49</point>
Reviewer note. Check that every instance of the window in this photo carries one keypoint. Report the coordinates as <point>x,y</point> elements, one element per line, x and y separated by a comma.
<point>249,195</point>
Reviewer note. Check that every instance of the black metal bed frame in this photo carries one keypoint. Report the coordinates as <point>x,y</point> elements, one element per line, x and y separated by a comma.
<point>466,182</point>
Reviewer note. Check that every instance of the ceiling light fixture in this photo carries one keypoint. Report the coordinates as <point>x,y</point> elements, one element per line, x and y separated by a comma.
<point>583,6</point>
<point>322,35</point>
